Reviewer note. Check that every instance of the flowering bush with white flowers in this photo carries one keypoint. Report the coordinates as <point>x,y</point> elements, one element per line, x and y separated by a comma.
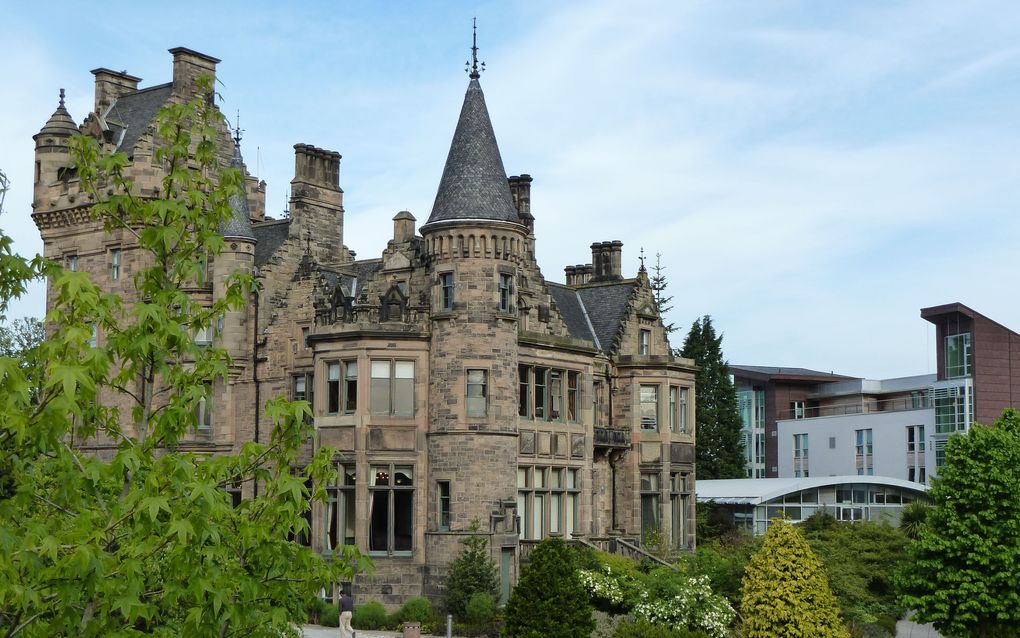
<point>693,605</point>
<point>602,585</point>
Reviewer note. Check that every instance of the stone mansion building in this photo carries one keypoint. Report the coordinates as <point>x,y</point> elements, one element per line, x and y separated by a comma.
<point>460,385</point>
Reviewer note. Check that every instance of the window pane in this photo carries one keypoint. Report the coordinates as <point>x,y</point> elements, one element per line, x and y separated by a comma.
<point>380,388</point>
<point>348,498</point>
<point>649,407</point>
<point>537,528</point>
<point>403,476</point>
<point>524,375</point>
<point>555,395</point>
<point>555,512</point>
<point>350,386</point>
<point>379,518</point>
<point>572,396</point>
<point>403,396</point>
<point>380,475</point>
<point>572,512</point>
<point>540,392</point>
<point>522,477</point>
<point>476,391</point>
<point>403,520</point>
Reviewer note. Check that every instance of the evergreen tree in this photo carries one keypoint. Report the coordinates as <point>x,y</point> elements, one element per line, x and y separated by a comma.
<point>549,601</point>
<point>658,283</point>
<point>472,572</point>
<point>786,592</point>
<point>964,572</point>
<point>720,445</point>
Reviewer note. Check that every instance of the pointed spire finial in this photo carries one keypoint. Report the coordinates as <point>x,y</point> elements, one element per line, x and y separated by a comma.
<point>237,128</point>
<point>61,98</point>
<point>642,258</point>
<point>473,68</point>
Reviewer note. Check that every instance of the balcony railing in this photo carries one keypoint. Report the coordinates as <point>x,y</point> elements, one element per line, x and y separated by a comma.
<point>613,438</point>
<point>860,406</point>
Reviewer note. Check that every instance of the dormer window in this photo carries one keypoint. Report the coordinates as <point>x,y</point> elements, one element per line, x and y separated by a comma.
<point>645,342</point>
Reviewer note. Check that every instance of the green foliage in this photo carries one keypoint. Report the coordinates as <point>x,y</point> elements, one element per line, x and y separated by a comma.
<point>417,609</point>
<point>913,516</point>
<point>964,576</point>
<point>659,283</point>
<point>785,590</point>
<point>330,616</point>
<point>860,560</point>
<point>370,615</point>
<point>723,563</point>
<point>481,609</point>
<point>145,541</point>
<point>549,601</point>
<point>720,449</point>
<point>642,628</point>
<point>473,571</point>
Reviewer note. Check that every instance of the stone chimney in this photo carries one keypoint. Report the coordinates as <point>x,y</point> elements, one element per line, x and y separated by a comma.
<point>111,85</point>
<point>606,258</point>
<point>520,190</point>
<point>584,272</point>
<point>403,227</point>
<point>570,271</point>
<point>188,67</point>
<point>316,202</point>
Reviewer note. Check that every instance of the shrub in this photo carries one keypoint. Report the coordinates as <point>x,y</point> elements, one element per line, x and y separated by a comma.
<point>330,616</point>
<point>642,628</point>
<point>416,609</point>
<point>370,615</point>
<point>481,609</point>
<point>549,601</point>
<point>473,571</point>
<point>786,592</point>
<point>675,599</point>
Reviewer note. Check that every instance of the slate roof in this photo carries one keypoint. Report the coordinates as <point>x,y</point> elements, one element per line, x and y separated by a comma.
<point>593,313</point>
<point>270,235</point>
<point>238,226</point>
<point>572,311</point>
<point>474,184</point>
<point>130,115</point>
<point>60,123</point>
<point>606,306</point>
<point>364,270</point>
<point>802,373</point>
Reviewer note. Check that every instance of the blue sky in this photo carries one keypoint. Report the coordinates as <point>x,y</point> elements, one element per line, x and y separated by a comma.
<point>812,173</point>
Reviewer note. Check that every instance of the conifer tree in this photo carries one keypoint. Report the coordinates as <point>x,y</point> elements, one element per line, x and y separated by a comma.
<point>786,592</point>
<point>472,572</point>
<point>720,448</point>
<point>658,283</point>
<point>549,601</point>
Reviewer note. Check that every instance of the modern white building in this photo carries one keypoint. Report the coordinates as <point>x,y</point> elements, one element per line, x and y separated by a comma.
<point>860,427</point>
<point>753,503</point>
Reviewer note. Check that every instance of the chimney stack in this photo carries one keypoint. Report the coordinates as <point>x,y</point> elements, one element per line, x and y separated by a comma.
<point>570,271</point>
<point>403,227</point>
<point>520,190</point>
<point>111,85</point>
<point>607,259</point>
<point>188,67</point>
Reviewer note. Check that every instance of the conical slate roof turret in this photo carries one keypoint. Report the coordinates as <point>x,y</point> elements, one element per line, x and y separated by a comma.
<point>474,184</point>
<point>60,123</point>
<point>238,225</point>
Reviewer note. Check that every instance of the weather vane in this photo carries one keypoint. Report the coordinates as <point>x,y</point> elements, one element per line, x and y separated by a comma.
<point>237,128</point>
<point>642,258</point>
<point>473,68</point>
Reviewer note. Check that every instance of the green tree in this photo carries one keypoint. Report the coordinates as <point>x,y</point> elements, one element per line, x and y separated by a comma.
<point>472,572</point>
<point>861,560</point>
<point>145,541</point>
<point>786,592</point>
<point>720,450</point>
<point>20,337</point>
<point>658,283</point>
<point>549,600</point>
<point>964,573</point>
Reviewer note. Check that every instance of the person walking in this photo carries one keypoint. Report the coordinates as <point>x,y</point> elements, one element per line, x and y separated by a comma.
<point>346,611</point>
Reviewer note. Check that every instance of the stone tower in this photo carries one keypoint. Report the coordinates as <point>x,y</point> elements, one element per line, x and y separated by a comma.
<point>474,241</point>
